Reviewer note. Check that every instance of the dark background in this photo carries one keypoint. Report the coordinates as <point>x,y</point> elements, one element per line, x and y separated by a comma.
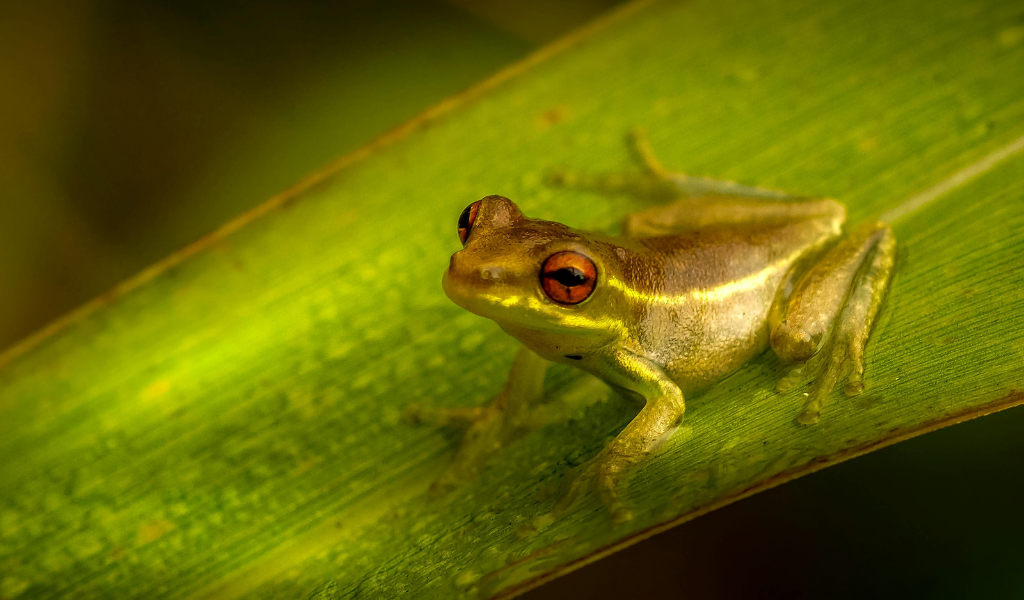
<point>129,129</point>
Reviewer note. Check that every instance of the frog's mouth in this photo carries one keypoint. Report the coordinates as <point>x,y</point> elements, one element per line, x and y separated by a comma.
<point>475,294</point>
<point>455,291</point>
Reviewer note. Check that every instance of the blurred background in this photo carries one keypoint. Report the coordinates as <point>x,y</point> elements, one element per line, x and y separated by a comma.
<point>130,129</point>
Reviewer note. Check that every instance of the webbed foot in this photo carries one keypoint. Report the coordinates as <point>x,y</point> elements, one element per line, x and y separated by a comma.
<point>843,361</point>
<point>487,429</point>
<point>602,474</point>
<point>481,440</point>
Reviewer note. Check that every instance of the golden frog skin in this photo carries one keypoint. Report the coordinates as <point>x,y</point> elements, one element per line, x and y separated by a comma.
<point>689,293</point>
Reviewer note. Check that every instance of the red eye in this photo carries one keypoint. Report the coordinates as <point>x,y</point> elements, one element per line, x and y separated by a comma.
<point>568,277</point>
<point>466,220</point>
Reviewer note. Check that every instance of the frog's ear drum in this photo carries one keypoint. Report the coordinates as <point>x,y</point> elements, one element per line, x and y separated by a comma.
<point>568,277</point>
<point>466,220</point>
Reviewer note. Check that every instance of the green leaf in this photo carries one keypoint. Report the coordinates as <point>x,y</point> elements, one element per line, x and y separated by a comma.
<point>228,424</point>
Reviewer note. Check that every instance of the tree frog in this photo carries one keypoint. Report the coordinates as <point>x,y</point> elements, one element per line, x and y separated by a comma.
<point>691,291</point>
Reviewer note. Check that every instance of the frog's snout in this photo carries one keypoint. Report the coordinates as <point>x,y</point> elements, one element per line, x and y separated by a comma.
<point>479,275</point>
<point>464,279</point>
<point>472,285</point>
<point>457,267</point>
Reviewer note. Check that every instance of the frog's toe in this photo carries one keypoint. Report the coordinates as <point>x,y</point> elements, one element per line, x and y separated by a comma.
<point>622,514</point>
<point>855,382</point>
<point>602,475</point>
<point>441,487</point>
<point>590,478</point>
<point>608,483</point>
<point>809,416</point>
<point>836,363</point>
<point>581,480</point>
<point>579,484</point>
<point>415,414</point>
<point>535,525</point>
<point>791,379</point>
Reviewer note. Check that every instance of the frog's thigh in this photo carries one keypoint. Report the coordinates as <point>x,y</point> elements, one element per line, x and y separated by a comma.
<point>799,328</point>
<point>836,301</point>
<point>690,214</point>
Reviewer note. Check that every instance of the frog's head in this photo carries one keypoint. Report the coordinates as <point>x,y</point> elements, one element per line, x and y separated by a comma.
<point>528,273</point>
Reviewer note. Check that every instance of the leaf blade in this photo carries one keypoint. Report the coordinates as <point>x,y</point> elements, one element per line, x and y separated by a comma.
<point>229,423</point>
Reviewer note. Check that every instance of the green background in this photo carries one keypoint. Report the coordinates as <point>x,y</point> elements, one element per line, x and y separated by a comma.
<point>219,455</point>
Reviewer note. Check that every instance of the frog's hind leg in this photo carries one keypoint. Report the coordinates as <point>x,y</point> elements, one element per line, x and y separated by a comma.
<point>825,322</point>
<point>700,201</point>
<point>690,185</point>
<point>688,214</point>
<point>706,202</point>
<point>655,181</point>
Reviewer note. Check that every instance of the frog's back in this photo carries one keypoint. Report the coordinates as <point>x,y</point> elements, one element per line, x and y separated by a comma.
<point>705,295</point>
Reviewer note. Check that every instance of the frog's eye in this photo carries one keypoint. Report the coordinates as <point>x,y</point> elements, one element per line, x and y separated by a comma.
<point>568,277</point>
<point>466,220</point>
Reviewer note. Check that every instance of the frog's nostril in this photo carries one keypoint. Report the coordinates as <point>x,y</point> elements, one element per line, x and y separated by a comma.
<point>490,273</point>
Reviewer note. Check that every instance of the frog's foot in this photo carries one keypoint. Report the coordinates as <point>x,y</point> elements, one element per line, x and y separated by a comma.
<point>850,280</point>
<point>827,368</point>
<point>414,414</point>
<point>653,182</point>
<point>644,185</point>
<point>488,429</point>
<point>514,412</point>
<point>602,474</point>
<point>656,182</point>
<point>482,439</point>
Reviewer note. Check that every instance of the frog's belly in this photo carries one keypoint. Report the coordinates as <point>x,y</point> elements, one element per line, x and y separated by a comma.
<point>701,341</point>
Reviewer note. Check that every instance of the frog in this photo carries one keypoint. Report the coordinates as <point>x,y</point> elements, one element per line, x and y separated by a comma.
<point>690,291</point>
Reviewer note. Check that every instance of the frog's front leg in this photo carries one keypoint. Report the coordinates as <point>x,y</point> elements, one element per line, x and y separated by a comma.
<point>826,320</point>
<point>661,415</point>
<point>514,412</point>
